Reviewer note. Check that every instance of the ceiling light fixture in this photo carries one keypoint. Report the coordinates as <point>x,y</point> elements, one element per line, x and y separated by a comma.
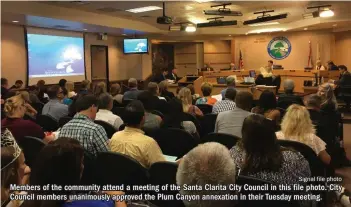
<point>190,28</point>
<point>263,24</point>
<point>305,28</point>
<point>144,9</point>
<point>265,17</point>
<point>258,31</point>
<point>15,21</point>
<point>326,13</point>
<point>229,35</point>
<point>203,1</point>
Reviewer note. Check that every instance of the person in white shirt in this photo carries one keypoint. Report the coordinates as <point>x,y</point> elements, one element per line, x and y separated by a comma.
<point>270,64</point>
<point>105,114</point>
<point>319,65</point>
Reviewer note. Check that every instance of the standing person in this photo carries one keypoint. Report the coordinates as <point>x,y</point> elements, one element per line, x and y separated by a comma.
<point>4,87</point>
<point>231,122</point>
<point>230,82</point>
<point>18,85</point>
<point>206,89</point>
<point>185,96</point>
<point>99,89</point>
<point>91,136</point>
<point>132,141</point>
<point>259,155</point>
<point>267,106</point>
<point>105,114</point>
<point>70,89</point>
<point>227,104</point>
<point>297,126</point>
<point>54,107</point>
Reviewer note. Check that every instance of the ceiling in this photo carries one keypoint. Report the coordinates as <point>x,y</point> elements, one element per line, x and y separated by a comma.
<point>111,17</point>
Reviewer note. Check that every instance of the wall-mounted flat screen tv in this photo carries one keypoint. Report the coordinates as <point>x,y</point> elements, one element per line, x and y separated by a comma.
<point>135,46</point>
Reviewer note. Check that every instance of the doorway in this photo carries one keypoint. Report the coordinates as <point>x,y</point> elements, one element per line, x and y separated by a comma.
<point>99,64</point>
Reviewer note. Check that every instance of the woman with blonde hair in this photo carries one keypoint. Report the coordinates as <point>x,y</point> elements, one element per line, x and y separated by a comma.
<point>99,89</point>
<point>70,89</point>
<point>15,109</point>
<point>30,110</point>
<point>297,126</point>
<point>326,92</point>
<point>185,96</point>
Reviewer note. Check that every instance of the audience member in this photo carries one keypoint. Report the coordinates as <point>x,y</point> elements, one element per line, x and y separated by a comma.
<point>331,65</point>
<point>14,171</point>
<point>288,97</point>
<point>175,119</point>
<point>259,155</point>
<point>208,163</point>
<point>151,121</point>
<point>267,106</point>
<point>185,96</point>
<point>67,101</point>
<point>62,83</point>
<point>194,95</point>
<point>62,163</point>
<point>15,109</point>
<point>161,77</point>
<point>329,104</point>
<point>297,126</point>
<point>4,87</point>
<point>227,104</point>
<point>115,91</point>
<point>30,111</point>
<point>132,141</point>
<point>206,89</point>
<point>313,106</point>
<point>99,89</point>
<point>70,89</point>
<point>85,87</point>
<point>344,80</point>
<point>231,122</point>
<point>319,65</point>
<point>133,92</point>
<point>18,85</point>
<point>54,107</point>
<point>152,87</point>
<point>230,82</point>
<point>105,114</point>
<point>163,86</point>
<point>91,136</point>
<point>42,95</point>
<point>172,75</point>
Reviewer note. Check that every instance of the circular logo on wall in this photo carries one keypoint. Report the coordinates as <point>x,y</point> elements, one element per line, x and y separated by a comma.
<point>279,48</point>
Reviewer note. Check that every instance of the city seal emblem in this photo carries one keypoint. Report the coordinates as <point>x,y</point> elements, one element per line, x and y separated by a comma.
<point>279,48</point>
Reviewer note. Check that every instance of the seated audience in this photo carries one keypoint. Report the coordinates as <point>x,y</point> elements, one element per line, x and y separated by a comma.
<point>206,89</point>
<point>173,75</point>
<point>227,104</point>
<point>185,96</point>
<point>152,87</point>
<point>132,141</point>
<point>194,95</point>
<point>161,77</point>
<point>175,119</point>
<point>67,101</point>
<point>208,163</point>
<point>54,107</point>
<point>14,170</point>
<point>231,122</point>
<point>91,136</point>
<point>70,89</point>
<point>4,87</point>
<point>151,121</point>
<point>331,65</point>
<point>133,92</point>
<point>30,109</point>
<point>85,87</point>
<point>267,106</point>
<point>343,84</point>
<point>163,86</point>
<point>62,83</point>
<point>42,95</point>
<point>329,104</point>
<point>99,89</point>
<point>297,126</point>
<point>105,114</point>
<point>288,97</point>
<point>230,82</point>
<point>259,155</point>
<point>115,91</point>
<point>15,109</point>
<point>62,163</point>
<point>18,85</point>
<point>313,106</point>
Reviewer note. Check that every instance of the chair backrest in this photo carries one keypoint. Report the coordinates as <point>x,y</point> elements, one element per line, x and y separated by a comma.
<point>189,117</point>
<point>31,147</point>
<point>115,169</point>
<point>158,113</point>
<point>64,120</point>
<point>88,176</point>
<point>205,108</point>
<point>207,123</point>
<point>47,123</point>
<point>226,139</point>
<point>110,130</point>
<point>174,142</point>
<point>316,166</point>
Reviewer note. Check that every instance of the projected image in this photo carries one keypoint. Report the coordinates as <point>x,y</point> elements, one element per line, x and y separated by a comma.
<point>55,55</point>
<point>135,46</point>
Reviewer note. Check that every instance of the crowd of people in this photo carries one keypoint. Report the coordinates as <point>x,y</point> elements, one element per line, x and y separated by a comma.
<point>258,126</point>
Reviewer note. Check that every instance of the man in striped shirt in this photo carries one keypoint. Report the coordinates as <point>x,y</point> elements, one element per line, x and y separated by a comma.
<point>227,104</point>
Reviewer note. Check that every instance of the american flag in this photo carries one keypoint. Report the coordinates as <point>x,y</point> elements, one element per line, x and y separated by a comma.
<point>241,62</point>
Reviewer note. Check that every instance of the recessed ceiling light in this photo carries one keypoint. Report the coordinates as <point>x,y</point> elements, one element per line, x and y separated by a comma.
<point>144,9</point>
<point>305,28</point>
<point>334,25</point>
<point>263,24</point>
<point>326,13</point>
<point>15,21</point>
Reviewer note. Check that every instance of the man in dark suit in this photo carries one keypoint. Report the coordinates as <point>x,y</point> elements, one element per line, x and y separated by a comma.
<point>331,65</point>
<point>344,78</point>
<point>288,98</point>
<point>173,75</point>
<point>162,76</point>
